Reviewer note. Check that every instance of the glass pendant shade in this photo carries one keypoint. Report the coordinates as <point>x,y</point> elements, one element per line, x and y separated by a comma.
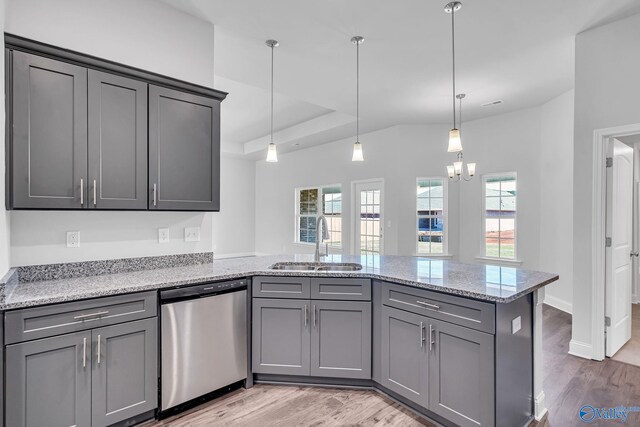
<point>450,171</point>
<point>457,168</point>
<point>272,153</point>
<point>471,169</point>
<point>455,144</point>
<point>357,153</point>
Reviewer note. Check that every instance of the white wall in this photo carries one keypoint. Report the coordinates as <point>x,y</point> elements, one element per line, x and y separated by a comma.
<point>153,36</point>
<point>4,215</point>
<point>505,143</point>
<point>556,203</point>
<point>607,90</point>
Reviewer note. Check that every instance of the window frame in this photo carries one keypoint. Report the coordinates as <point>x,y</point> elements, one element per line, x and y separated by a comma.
<point>483,238</point>
<point>297,215</point>
<point>445,218</point>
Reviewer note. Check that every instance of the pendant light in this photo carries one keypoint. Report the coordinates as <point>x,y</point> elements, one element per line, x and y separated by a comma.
<point>272,151</point>
<point>455,171</point>
<point>357,147</point>
<point>455,144</point>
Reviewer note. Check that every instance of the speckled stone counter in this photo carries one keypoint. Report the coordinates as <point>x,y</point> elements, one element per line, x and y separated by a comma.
<point>479,281</point>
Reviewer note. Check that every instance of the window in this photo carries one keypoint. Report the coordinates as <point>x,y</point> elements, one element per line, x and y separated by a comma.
<point>431,204</point>
<point>499,220</point>
<point>309,203</point>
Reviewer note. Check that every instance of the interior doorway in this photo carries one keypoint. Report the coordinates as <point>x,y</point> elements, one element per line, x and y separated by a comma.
<point>622,317</point>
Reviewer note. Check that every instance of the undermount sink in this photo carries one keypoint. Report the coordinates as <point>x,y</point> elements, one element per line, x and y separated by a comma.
<point>316,266</point>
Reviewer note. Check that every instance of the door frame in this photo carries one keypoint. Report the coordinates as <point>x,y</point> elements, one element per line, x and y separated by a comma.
<point>599,225</point>
<point>353,211</point>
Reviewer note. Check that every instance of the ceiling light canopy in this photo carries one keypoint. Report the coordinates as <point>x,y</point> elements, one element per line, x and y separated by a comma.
<point>357,147</point>
<point>272,151</point>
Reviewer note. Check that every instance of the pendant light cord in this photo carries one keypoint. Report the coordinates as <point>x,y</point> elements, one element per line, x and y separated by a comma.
<point>453,62</point>
<point>358,92</point>
<point>272,46</point>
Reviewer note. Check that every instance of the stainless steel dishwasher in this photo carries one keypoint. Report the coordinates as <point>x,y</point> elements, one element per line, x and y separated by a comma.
<point>204,340</point>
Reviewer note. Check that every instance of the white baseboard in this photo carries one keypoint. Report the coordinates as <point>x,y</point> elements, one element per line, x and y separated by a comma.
<point>558,303</point>
<point>580,349</point>
<point>540,408</point>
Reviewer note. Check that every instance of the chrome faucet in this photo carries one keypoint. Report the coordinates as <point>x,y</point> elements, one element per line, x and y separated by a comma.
<point>325,235</point>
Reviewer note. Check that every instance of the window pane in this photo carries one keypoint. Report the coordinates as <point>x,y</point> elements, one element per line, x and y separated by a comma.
<point>430,208</point>
<point>492,188</point>
<point>507,248</point>
<point>492,248</point>
<point>492,226</point>
<point>507,228</point>
<point>492,205</point>
<point>437,189</point>
<point>508,186</point>
<point>508,203</point>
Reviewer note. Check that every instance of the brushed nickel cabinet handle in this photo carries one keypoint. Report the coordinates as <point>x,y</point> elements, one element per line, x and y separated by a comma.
<point>84,316</point>
<point>421,334</point>
<point>315,315</point>
<point>84,352</point>
<point>155,190</point>
<point>426,304</point>
<point>95,194</point>
<point>98,349</point>
<point>306,315</point>
<point>81,192</point>
<point>432,341</point>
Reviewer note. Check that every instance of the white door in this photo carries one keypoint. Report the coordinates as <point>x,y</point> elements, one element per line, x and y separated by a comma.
<point>618,255</point>
<point>368,217</point>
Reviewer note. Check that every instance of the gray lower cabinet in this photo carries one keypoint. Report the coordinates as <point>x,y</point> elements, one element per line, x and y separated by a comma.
<point>281,338</point>
<point>49,382</point>
<point>341,339</point>
<point>462,378</point>
<point>90,378</point>
<point>405,355</point>
<point>124,377</point>
<point>117,142</point>
<point>184,151</point>
<point>48,118</point>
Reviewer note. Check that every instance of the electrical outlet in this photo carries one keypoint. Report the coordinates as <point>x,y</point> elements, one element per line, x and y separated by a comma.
<point>192,234</point>
<point>163,235</point>
<point>73,239</point>
<point>516,324</point>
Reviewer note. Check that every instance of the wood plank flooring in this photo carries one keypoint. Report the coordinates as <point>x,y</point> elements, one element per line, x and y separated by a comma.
<point>569,383</point>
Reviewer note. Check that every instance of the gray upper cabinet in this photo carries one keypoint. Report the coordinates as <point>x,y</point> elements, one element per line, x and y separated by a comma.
<point>124,379</point>
<point>184,151</point>
<point>405,355</point>
<point>49,382</point>
<point>461,366</point>
<point>48,153</point>
<point>281,338</point>
<point>117,142</point>
<point>341,339</point>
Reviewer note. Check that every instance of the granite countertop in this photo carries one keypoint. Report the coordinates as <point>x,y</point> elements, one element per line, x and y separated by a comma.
<point>484,282</point>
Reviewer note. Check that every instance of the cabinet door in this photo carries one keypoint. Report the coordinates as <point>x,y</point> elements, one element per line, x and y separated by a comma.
<point>341,339</point>
<point>281,336</point>
<point>184,151</point>
<point>49,382</point>
<point>405,358</point>
<point>117,142</point>
<point>125,374</point>
<point>49,138</point>
<point>462,374</point>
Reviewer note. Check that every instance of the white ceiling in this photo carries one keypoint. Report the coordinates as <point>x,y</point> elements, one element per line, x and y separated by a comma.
<point>519,51</point>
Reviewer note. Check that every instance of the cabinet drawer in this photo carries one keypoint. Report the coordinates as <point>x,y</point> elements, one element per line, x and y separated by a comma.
<point>460,311</point>
<point>41,322</point>
<point>341,289</point>
<point>282,287</point>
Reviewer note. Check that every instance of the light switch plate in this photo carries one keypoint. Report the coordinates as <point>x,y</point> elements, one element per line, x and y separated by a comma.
<point>73,239</point>
<point>516,324</point>
<point>192,234</point>
<point>163,235</point>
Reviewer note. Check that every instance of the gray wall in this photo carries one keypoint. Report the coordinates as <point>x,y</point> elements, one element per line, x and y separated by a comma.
<point>607,90</point>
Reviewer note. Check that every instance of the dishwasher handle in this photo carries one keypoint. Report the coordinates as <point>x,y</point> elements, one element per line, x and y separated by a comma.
<point>201,291</point>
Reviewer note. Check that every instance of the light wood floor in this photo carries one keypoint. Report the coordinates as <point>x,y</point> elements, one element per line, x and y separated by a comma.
<point>569,383</point>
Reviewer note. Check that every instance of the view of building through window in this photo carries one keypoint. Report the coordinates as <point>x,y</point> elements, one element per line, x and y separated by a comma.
<point>431,216</point>
<point>312,201</point>
<point>500,216</point>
